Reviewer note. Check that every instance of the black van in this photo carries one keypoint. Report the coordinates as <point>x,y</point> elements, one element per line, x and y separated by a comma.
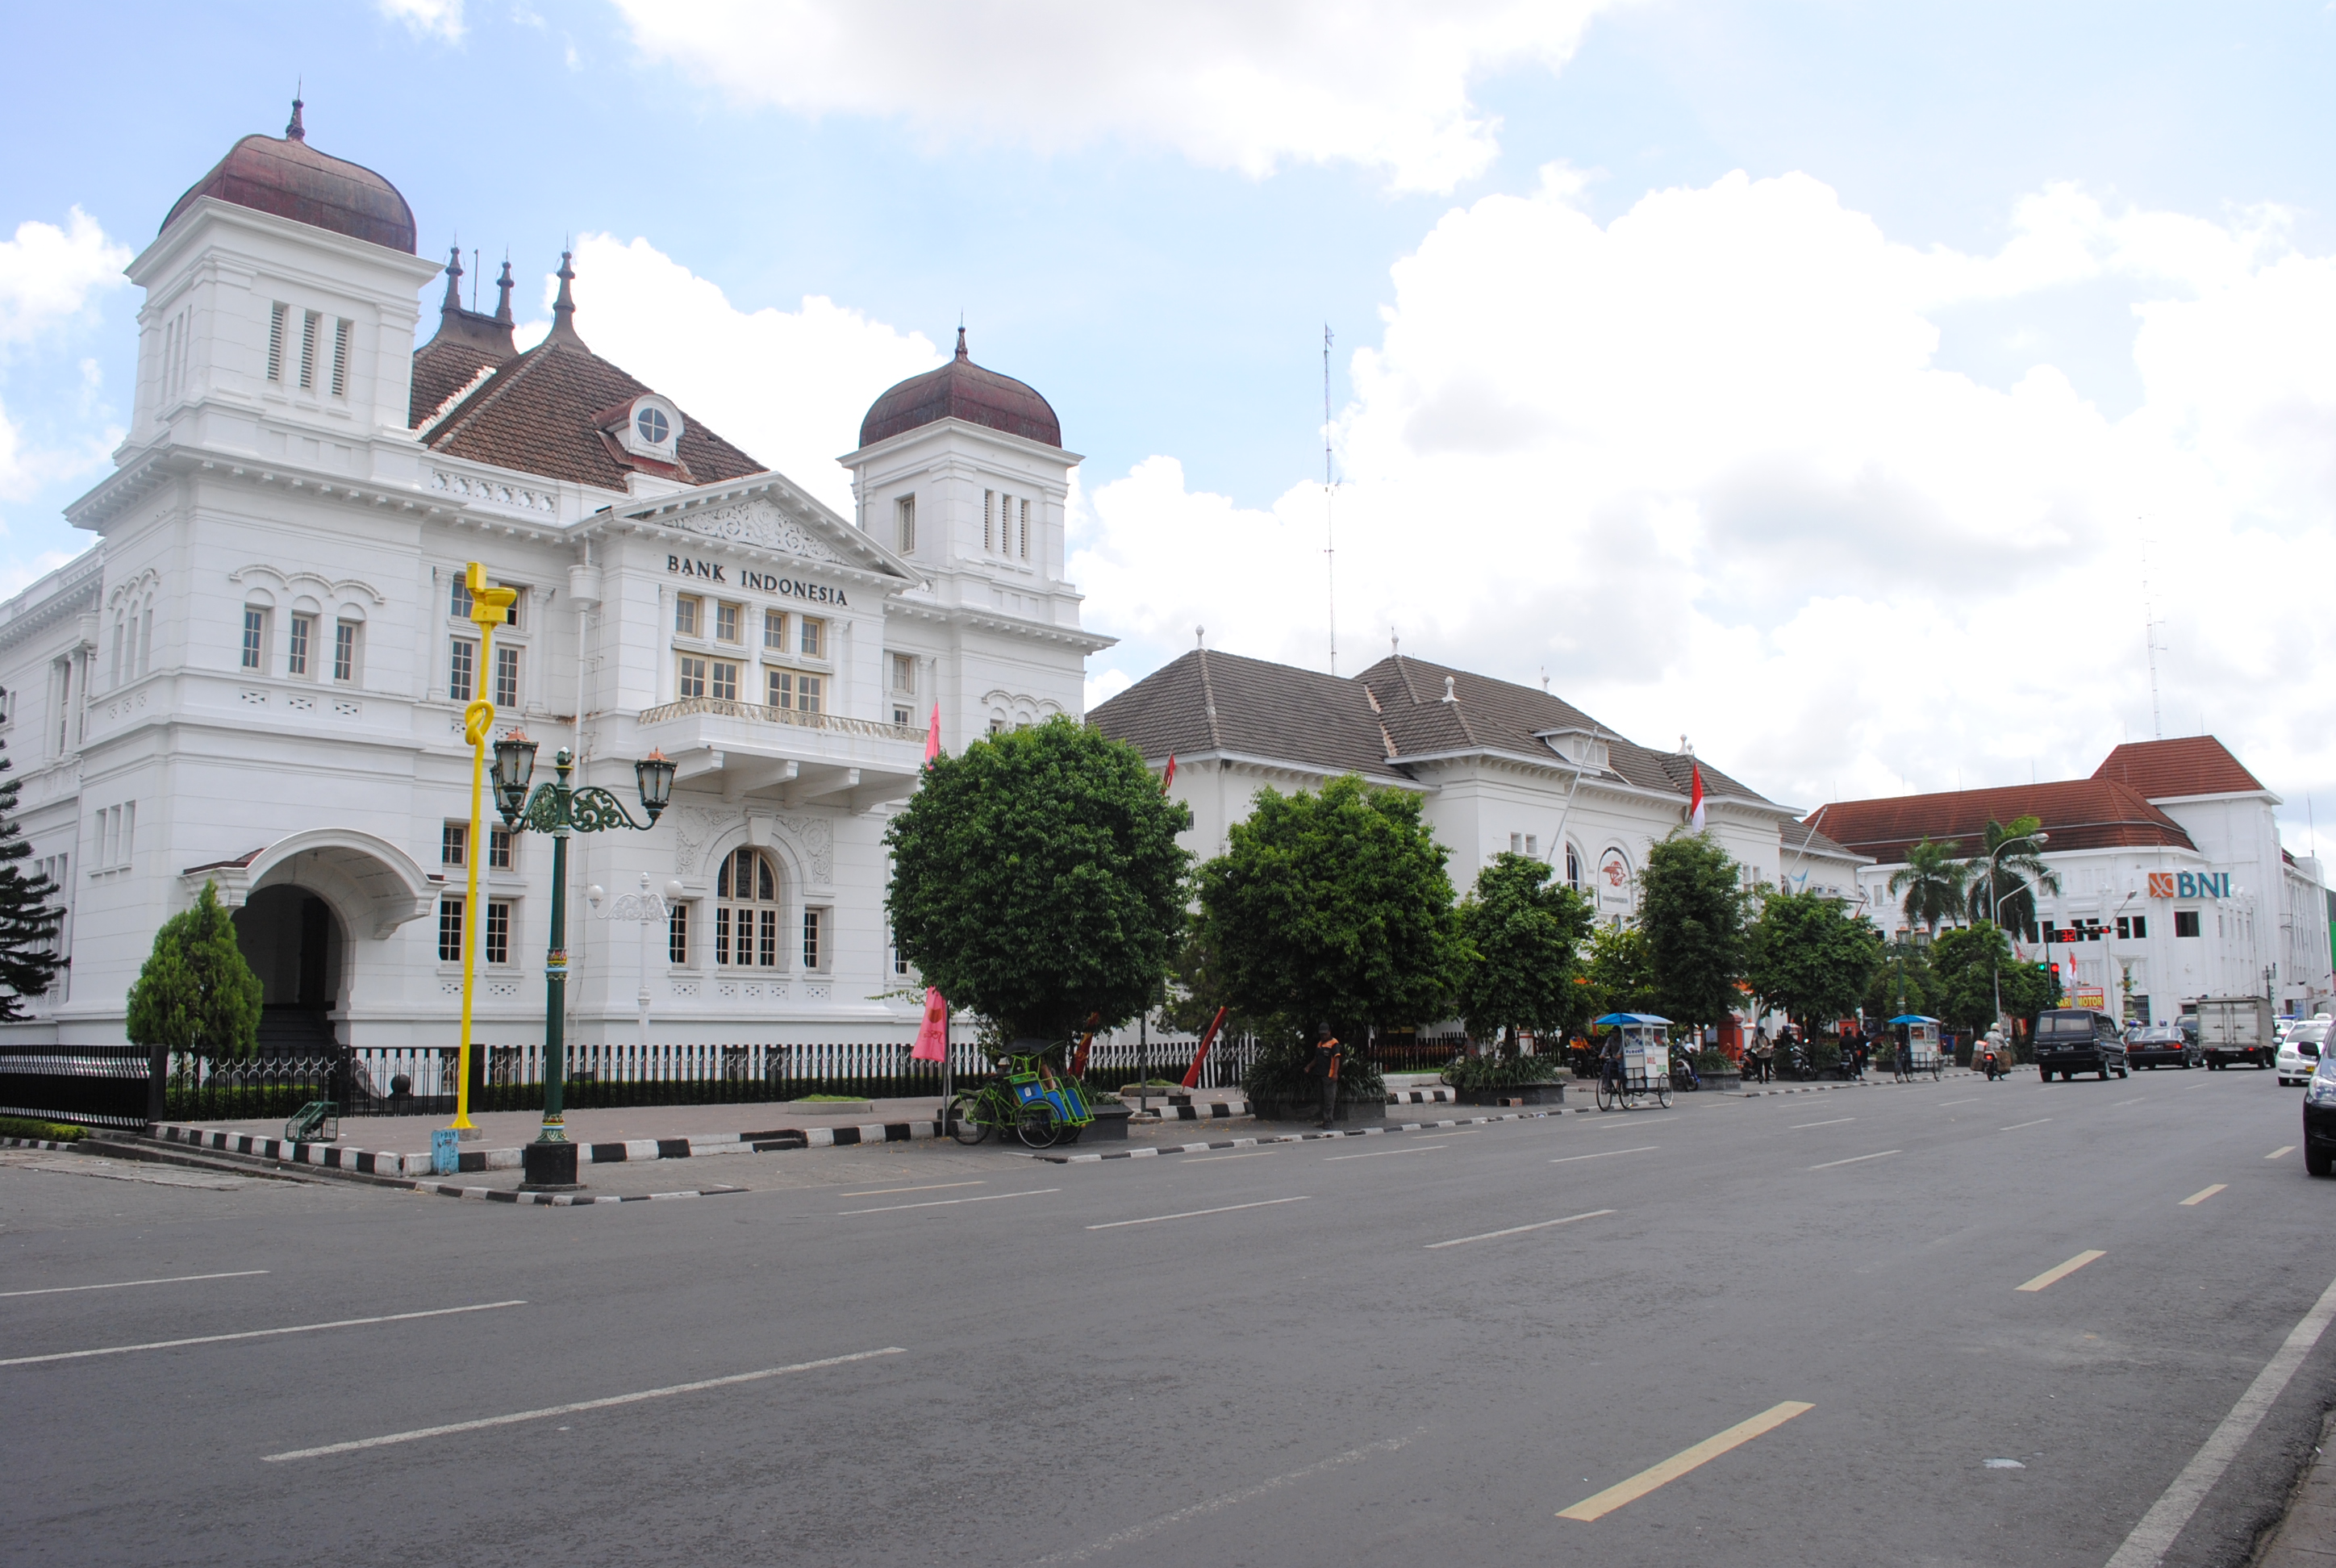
<point>2072,1040</point>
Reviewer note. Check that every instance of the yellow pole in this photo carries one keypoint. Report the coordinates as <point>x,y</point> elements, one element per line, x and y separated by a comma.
<point>490,607</point>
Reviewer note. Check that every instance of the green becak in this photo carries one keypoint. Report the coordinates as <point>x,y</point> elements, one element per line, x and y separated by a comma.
<point>1037,878</point>
<point>195,992</point>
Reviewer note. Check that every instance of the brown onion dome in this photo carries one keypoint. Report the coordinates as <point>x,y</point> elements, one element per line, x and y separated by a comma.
<point>284,176</point>
<point>962,390</point>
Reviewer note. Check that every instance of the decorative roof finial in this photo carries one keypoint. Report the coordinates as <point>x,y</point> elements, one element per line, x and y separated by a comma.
<point>454,281</point>
<point>563,304</point>
<point>1199,637</point>
<point>961,354</point>
<point>1449,694</point>
<point>1394,644</point>
<point>504,286</point>
<point>296,132</point>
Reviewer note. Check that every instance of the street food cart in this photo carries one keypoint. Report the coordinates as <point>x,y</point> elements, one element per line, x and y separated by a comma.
<point>1920,1035</point>
<point>1644,1066</point>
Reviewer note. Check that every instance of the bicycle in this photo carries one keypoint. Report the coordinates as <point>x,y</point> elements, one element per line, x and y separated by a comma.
<point>1023,1097</point>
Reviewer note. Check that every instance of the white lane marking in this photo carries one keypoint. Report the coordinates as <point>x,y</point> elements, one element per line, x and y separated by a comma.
<point>1607,1154</point>
<point>928,1187</point>
<point>1837,1121</point>
<point>2017,1125</point>
<point>1135,1533</point>
<point>945,1202</point>
<point>1630,1121</point>
<point>2194,1199</point>
<point>2060,1271</point>
<point>2154,1534</point>
<point>1942,1105</point>
<point>125,1284</point>
<point>1679,1464</point>
<point>2283,1149</point>
<point>1196,1214</point>
<point>1213,1159</point>
<point>256,1334</point>
<point>1517,1229</point>
<point>1376,1154</point>
<point>421,1432</point>
<point>1856,1159</point>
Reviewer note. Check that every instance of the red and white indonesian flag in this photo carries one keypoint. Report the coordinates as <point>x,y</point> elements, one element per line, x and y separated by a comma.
<point>932,1036</point>
<point>1695,801</point>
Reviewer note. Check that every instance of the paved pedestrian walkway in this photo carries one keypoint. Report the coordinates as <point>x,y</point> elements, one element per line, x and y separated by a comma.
<point>2306,1538</point>
<point>510,1129</point>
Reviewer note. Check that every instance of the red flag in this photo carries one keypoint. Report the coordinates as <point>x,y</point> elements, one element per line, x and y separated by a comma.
<point>1170,777</point>
<point>1695,804</point>
<point>933,740</point>
<point>932,1037</point>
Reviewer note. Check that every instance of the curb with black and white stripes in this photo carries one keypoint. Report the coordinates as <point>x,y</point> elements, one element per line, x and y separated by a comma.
<point>1215,1111</point>
<point>558,1200</point>
<point>1143,1154</point>
<point>472,1162</point>
<point>39,1144</point>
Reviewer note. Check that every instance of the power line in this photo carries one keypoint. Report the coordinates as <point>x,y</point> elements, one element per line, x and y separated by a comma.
<point>1330,487</point>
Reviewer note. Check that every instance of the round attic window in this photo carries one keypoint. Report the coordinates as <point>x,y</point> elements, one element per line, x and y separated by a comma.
<point>651,424</point>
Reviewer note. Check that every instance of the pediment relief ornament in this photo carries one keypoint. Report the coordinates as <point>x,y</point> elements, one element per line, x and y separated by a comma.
<point>760,523</point>
<point>815,839</point>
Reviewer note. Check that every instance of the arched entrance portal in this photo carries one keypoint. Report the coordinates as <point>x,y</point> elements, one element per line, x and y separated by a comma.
<point>294,943</point>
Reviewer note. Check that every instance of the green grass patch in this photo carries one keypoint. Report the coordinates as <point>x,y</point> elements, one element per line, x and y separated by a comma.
<point>833,1100</point>
<point>51,1132</point>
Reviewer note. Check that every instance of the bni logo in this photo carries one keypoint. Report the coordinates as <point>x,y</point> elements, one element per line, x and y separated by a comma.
<point>2189,884</point>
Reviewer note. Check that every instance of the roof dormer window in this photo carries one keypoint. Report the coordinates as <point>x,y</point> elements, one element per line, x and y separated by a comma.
<point>648,428</point>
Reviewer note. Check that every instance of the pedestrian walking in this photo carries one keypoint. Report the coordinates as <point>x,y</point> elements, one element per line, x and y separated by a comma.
<point>1325,1067</point>
<point>1764,1053</point>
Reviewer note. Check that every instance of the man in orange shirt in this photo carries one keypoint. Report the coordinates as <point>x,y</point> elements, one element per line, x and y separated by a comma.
<point>1325,1066</point>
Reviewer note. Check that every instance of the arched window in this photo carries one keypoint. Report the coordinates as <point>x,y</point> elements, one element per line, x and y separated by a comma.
<point>746,912</point>
<point>1572,868</point>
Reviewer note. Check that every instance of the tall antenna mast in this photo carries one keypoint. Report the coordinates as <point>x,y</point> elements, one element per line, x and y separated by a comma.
<point>1329,539</point>
<point>2149,632</point>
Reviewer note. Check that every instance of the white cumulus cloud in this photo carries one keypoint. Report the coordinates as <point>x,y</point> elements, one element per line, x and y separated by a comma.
<point>50,274</point>
<point>1699,464</point>
<point>1243,84</point>
<point>788,387</point>
<point>440,19</point>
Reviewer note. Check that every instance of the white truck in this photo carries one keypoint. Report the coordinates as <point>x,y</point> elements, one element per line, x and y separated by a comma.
<point>2237,1030</point>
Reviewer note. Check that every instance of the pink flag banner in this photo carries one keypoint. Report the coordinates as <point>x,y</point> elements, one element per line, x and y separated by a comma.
<point>933,740</point>
<point>932,1037</point>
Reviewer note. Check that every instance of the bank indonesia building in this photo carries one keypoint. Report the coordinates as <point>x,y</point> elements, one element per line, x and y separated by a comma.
<point>256,676</point>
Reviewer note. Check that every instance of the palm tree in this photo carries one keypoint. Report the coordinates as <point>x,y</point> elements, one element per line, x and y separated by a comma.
<point>2018,861</point>
<point>1933,881</point>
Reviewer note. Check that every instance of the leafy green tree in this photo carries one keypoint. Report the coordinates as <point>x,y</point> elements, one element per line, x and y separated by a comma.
<point>2002,889</point>
<point>1932,879</point>
<point>1620,975</point>
<point>1692,905</point>
<point>1903,983</point>
<point>1037,878</point>
<point>1808,956</point>
<point>28,920</point>
<point>1522,928</point>
<point>195,992</point>
<point>1972,963</point>
<point>1332,910</point>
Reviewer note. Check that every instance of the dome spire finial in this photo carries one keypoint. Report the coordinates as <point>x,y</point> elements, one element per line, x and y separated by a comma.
<point>504,286</point>
<point>454,281</point>
<point>296,132</point>
<point>563,304</point>
<point>961,354</point>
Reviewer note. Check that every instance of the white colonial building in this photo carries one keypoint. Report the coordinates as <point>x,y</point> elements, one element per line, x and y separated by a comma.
<point>1499,767</point>
<point>2173,882</point>
<point>256,676</point>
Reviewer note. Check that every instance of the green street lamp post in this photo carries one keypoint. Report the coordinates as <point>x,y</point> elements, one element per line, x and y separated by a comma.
<point>548,1163</point>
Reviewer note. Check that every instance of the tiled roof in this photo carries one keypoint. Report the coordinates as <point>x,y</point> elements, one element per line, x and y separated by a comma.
<point>2168,769</point>
<point>1802,838</point>
<point>962,390</point>
<point>443,367</point>
<point>536,414</point>
<point>1376,724</point>
<point>1207,701</point>
<point>2078,813</point>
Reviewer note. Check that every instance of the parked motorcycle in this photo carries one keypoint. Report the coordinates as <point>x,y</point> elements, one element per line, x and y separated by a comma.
<point>1683,1075</point>
<point>1796,1063</point>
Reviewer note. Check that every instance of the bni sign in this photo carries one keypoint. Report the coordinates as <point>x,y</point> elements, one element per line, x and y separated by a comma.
<point>2189,884</point>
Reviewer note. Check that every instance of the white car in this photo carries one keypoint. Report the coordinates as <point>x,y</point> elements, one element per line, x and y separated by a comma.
<point>2298,1053</point>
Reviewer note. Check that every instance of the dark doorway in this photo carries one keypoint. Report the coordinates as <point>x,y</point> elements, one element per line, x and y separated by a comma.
<point>292,942</point>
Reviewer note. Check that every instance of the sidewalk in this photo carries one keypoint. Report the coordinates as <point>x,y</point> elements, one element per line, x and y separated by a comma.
<point>2306,1538</point>
<point>510,1129</point>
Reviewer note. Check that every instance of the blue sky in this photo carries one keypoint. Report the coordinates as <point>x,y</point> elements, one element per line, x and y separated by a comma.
<point>1594,428</point>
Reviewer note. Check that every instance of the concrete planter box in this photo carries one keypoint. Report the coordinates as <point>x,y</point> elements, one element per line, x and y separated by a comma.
<point>1549,1094</point>
<point>1726,1083</point>
<point>1110,1123</point>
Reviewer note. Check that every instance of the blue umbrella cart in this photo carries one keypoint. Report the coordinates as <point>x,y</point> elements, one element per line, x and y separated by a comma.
<point>1920,1035</point>
<point>1643,1068</point>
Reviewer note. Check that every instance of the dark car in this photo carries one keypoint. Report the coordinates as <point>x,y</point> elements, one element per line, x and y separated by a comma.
<point>2163,1045</point>
<point>2072,1040</point>
<point>2320,1117</point>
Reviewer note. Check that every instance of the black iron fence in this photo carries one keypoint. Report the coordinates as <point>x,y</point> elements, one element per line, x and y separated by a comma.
<point>92,1085</point>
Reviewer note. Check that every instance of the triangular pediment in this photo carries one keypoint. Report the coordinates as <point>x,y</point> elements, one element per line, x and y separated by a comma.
<point>767,512</point>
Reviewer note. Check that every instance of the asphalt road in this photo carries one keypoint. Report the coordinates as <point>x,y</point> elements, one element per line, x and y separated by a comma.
<point>1372,1350</point>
